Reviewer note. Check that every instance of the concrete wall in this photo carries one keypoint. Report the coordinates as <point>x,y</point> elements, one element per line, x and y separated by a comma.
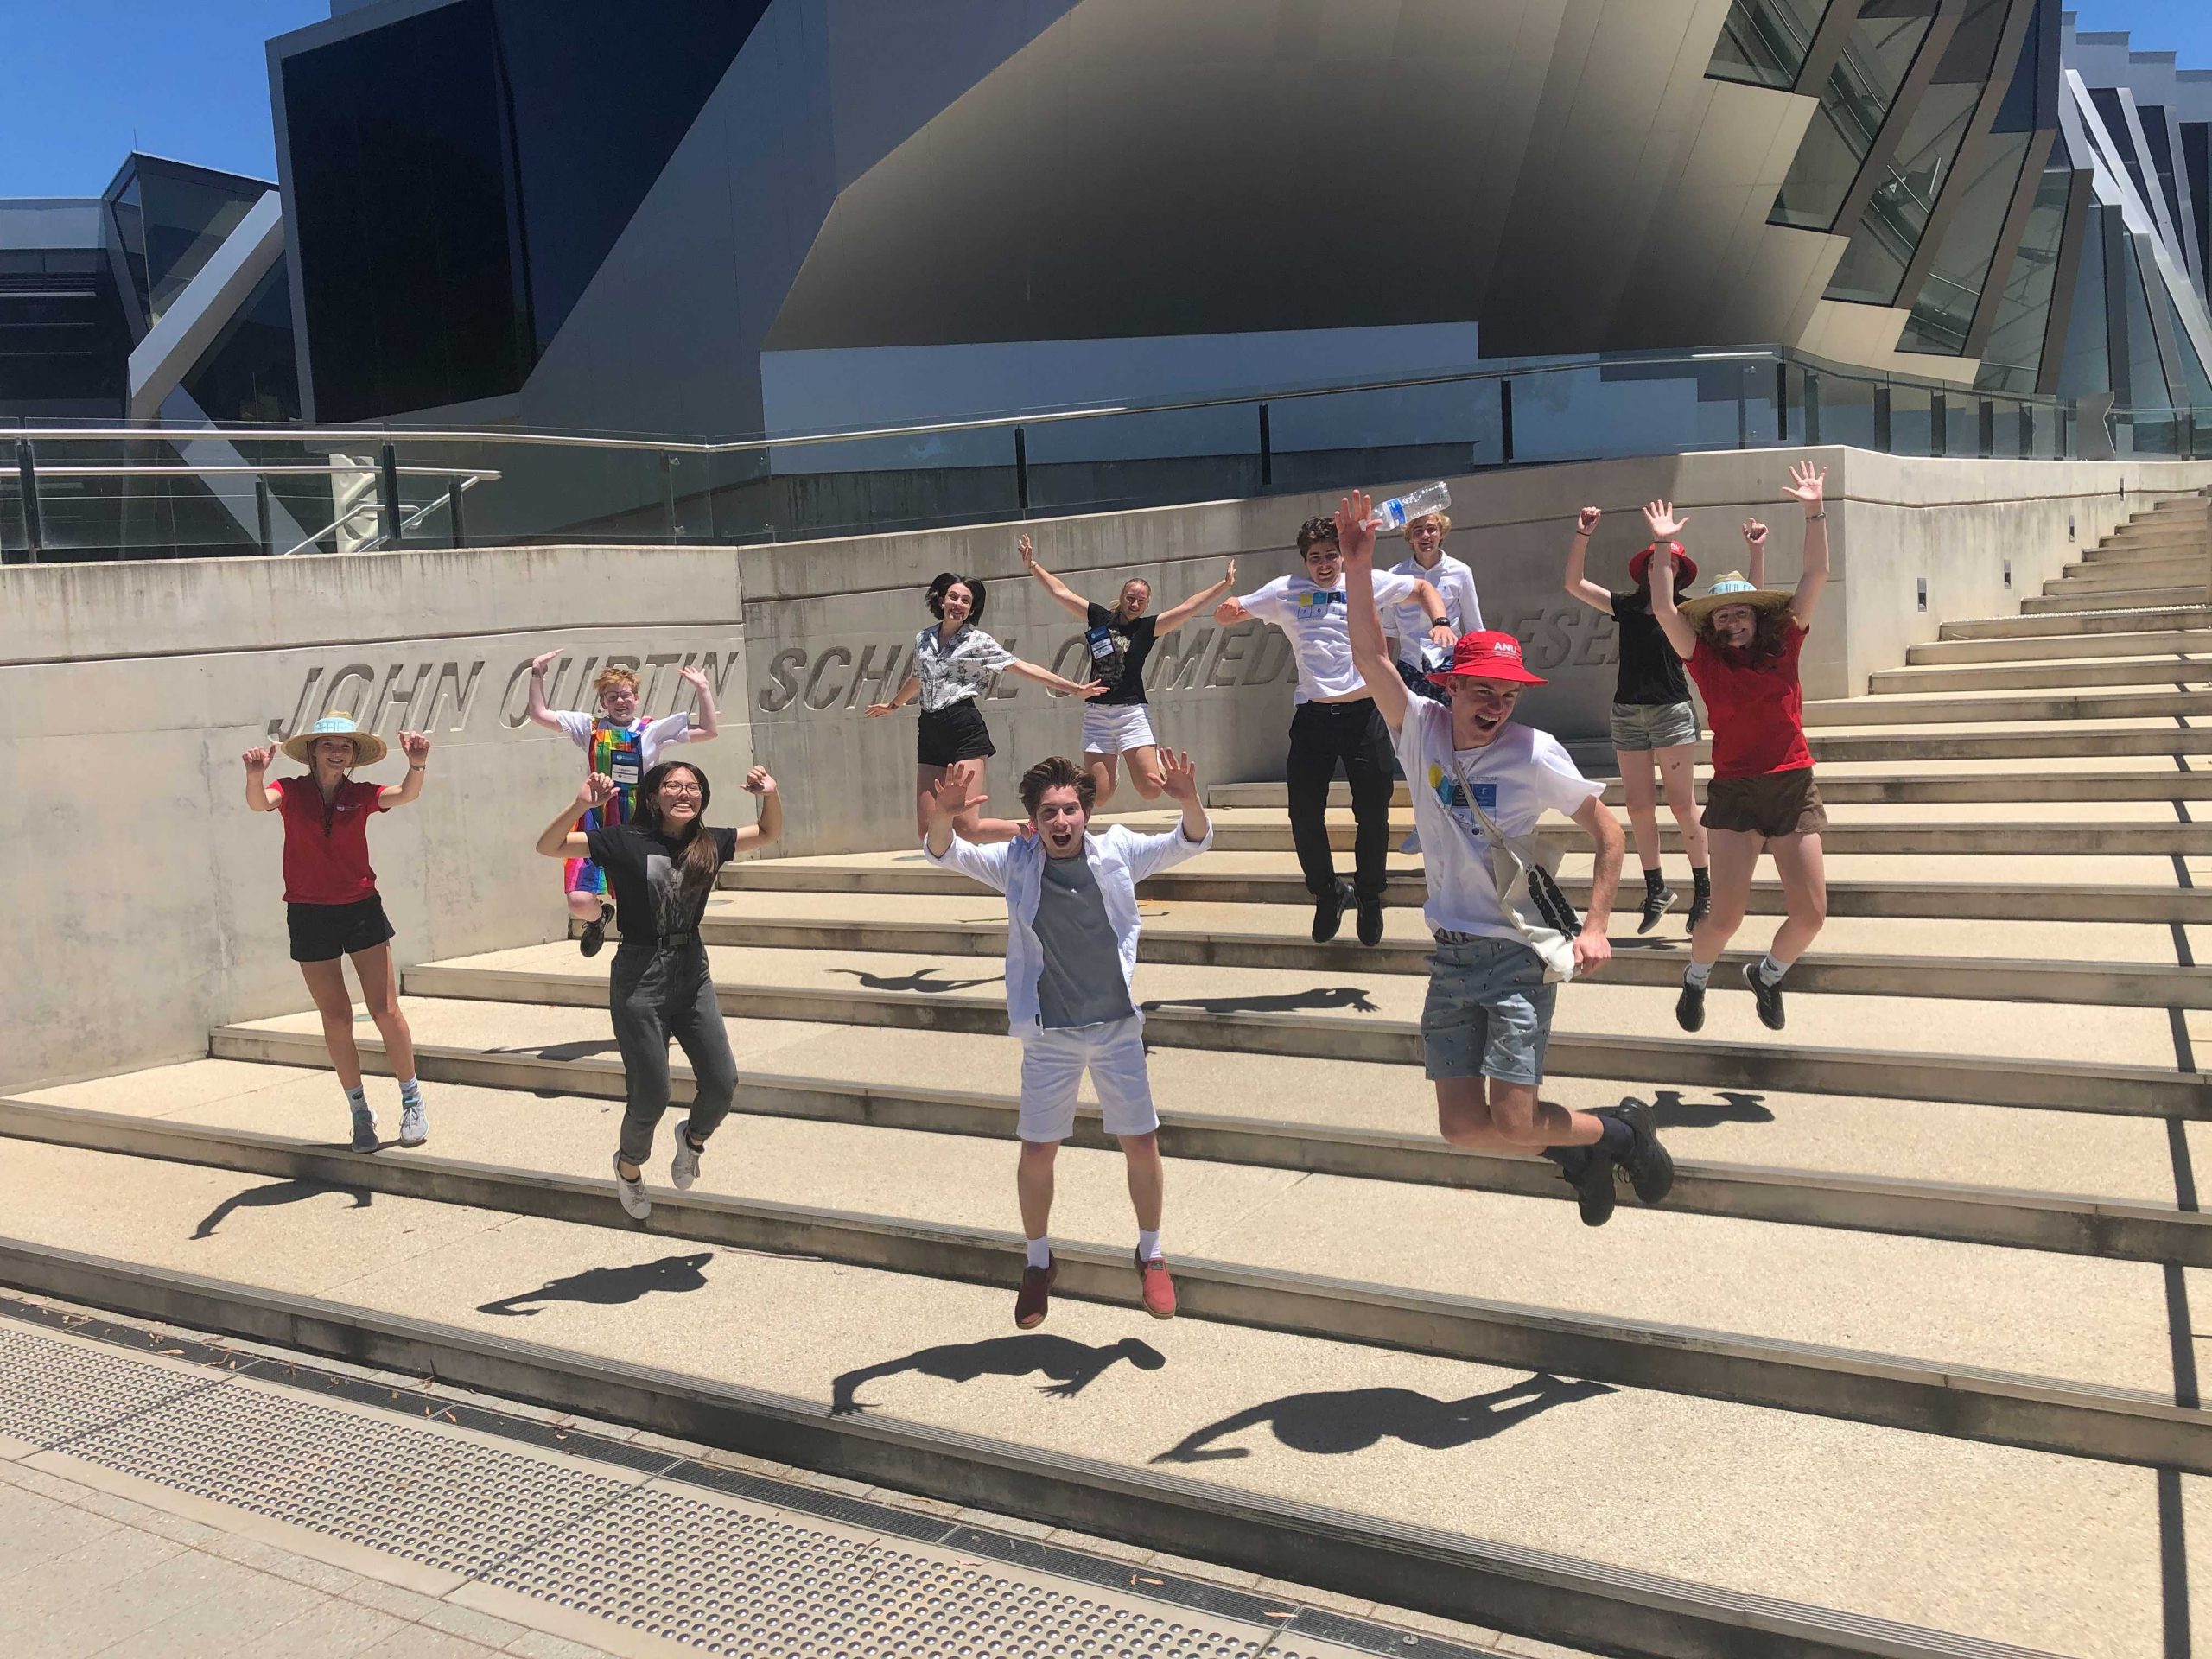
<point>148,902</point>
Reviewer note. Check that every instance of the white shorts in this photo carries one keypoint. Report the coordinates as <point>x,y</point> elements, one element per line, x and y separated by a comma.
<point>1053,1060</point>
<point>1116,727</point>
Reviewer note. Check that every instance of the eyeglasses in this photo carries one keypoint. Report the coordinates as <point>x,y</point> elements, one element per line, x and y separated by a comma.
<point>679,789</point>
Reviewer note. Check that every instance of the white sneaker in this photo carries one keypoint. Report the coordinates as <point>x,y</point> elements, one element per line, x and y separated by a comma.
<point>635,1203</point>
<point>414,1123</point>
<point>683,1168</point>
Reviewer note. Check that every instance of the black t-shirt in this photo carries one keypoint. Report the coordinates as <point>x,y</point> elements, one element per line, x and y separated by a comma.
<point>1650,673</point>
<point>1127,645</point>
<point>647,872</point>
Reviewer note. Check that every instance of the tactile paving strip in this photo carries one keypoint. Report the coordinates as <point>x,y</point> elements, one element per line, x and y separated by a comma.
<point>733,1578</point>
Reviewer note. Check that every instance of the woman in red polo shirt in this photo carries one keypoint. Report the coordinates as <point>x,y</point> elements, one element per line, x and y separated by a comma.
<point>331,902</point>
<point>1741,641</point>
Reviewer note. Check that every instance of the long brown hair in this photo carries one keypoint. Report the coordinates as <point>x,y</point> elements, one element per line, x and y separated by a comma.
<point>1768,626</point>
<point>702,849</point>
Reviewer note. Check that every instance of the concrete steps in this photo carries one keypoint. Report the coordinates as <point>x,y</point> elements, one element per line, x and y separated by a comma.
<point>1839,788</point>
<point>2172,669</point>
<point>1958,708</point>
<point>2149,596</point>
<point>2188,614</point>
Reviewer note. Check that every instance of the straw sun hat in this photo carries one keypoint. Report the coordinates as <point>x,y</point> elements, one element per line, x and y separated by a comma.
<point>1731,589</point>
<point>368,748</point>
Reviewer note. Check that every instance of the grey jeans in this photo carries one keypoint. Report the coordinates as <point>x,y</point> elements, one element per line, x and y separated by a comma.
<point>654,993</point>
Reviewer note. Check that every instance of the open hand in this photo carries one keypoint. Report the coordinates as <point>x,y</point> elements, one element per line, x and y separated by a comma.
<point>758,782</point>
<point>1665,526</point>
<point>950,798</point>
<point>1585,522</point>
<point>1755,533</point>
<point>1808,485</point>
<point>1090,689</point>
<point>1228,576</point>
<point>543,660</point>
<point>1028,553</point>
<point>416,746</point>
<point>694,677</point>
<point>257,759</point>
<point>1355,529</point>
<point>1178,779</point>
<point>878,710</point>
<point>598,790</point>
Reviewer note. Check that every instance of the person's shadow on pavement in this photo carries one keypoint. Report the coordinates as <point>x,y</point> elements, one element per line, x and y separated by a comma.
<point>1071,1366</point>
<point>267,1198</point>
<point>608,1286</point>
<point>1355,1419</point>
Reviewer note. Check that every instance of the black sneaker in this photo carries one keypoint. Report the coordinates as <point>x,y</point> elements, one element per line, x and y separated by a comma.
<point>1689,1008</point>
<point>1649,1166</point>
<point>1593,1186</point>
<point>1370,921</point>
<point>1657,901</point>
<point>1328,912</point>
<point>595,932</point>
<point>1769,997</point>
<point>1701,904</point>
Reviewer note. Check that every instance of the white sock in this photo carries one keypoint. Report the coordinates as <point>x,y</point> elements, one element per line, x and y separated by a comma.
<point>1698,972</point>
<point>1148,1244</point>
<point>410,1093</point>
<point>1039,1252</point>
<point>1773,967</point>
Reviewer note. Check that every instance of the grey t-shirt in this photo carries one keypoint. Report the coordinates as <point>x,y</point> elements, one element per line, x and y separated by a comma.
<point>1081,983</point>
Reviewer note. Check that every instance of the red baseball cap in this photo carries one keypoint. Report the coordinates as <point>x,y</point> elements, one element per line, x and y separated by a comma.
<point>1487,656</point>
<point>1686,567</point>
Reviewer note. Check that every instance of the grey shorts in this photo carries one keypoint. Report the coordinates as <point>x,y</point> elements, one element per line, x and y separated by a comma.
<point>1640,726</point>
<point>1489,1012</point>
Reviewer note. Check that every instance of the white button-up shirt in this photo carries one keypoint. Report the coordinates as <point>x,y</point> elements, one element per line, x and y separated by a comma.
<point>952,673</point>
<point>1119,857</point>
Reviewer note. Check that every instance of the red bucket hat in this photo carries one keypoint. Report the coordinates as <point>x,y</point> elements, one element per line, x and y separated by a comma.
<point>1487,656</point>
<point>1639,567</point>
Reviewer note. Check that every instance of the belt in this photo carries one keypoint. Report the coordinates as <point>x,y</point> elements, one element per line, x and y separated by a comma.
<point>677,941</point>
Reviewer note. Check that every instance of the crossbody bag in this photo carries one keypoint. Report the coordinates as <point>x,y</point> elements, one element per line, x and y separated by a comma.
<point>1526,890</point>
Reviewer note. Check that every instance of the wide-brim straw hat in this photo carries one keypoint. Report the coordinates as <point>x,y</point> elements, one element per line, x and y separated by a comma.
<point>368,748</point>
<point>1731,589</point>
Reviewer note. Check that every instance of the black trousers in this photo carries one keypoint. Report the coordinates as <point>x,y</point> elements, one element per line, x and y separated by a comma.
<point>1324,735</point>
<point>654,992</point>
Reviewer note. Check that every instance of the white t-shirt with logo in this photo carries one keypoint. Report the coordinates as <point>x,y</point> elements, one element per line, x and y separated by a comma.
<point>1519,777</point>
<point>1408,624</point>
<point>1320,631</point>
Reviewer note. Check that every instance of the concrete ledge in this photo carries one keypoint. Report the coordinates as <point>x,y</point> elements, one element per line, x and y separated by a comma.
<point>2192,613</point>
<point>2031,839</point>
<point>1895,1391</point>
<point>1450,1576</point>
<point>1922,790</point>
<point>1973,1079</point>
<point>1914,711</point>
<point>2024,1220</point>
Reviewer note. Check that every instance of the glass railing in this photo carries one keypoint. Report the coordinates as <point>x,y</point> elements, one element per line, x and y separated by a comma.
<point>74,493</point>
<point>2163,434</point>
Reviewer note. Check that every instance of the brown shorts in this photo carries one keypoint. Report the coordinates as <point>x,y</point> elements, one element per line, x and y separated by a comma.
<point>1777,804</point>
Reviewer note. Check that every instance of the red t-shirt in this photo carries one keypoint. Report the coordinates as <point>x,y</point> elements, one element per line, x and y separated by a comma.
<point>1757,714</point>
<point>327,849</point>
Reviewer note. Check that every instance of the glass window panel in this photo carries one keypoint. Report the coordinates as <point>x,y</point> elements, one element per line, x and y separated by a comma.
<point>2196,162</point>
<point>1184,454</point>
<point>1897,216</point>
<point>2147,385</point>
<point>1912,424</point>
<point>1640,410</point>
<point>2005,429</point>
<point>1943,314</point>
<point>1765,41</point>
<point>249,374</point>
<point>2086,369</point>
<point>2012,358</point>
<point>186,218</point>
<point>1854,103</point>
<point>2153,117</point>
<point>2114,114</point>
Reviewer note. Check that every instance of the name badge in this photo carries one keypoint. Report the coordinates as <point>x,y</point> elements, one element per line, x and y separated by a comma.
<point>1486,797</point>
<point>1102,644</point>
<point>623,768</point>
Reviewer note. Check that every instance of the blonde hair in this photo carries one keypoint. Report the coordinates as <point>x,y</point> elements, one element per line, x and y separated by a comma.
<point>1443,525</point>
<point>612,674</point>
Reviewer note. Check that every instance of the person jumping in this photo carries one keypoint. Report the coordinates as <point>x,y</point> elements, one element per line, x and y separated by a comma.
<point>1454,582</point>
<point>1335,722</point>
<point>1654,724</point>
<point>1118,724</point>
<point>1742,641</point>
<point>620,744</point>
<point>331,902</point>
<point>1071,957</point>
<point>662,866</point>
<point>1488,1017</point>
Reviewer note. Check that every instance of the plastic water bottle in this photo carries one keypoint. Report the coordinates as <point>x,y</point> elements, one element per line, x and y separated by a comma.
<point>1402,510</point>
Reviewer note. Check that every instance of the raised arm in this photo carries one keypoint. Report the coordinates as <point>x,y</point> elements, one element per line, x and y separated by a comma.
<point>1370,652</point>
<point>416,746</point>
<point>771,822</point>
<point>1059,589</point>
<point>1190,608</point>
<point>561,838</point>
<point>1755,552</point>
<point>537,712</point>
<point>1810,486</point>
<point>900,699</point>
<point>1665,527</point>
<point>1579,586</point>
<point>1179,782</point>
<point>1592,946</point>
<point>260,794</point>
<point>1044,677</point>
<point>709,725</point>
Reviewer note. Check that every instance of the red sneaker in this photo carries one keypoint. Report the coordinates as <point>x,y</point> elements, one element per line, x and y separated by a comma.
<point>1159,1288</point>
<point>1036,1291</point>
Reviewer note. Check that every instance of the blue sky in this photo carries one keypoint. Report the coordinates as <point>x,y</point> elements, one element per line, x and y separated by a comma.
<point>87,80</point>
<point>188,77</point>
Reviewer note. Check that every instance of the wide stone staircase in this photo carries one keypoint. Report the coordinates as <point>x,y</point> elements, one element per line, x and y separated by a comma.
<point>1907,1366</point>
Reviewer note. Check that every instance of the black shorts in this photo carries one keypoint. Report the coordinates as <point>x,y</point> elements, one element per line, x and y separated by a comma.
<point>950,734</point>
<point>325,932</point>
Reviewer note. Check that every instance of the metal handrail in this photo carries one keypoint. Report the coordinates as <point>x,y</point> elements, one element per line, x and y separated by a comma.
<point>275,469</point>
<point>468,482</point>
<point>381,435</point>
